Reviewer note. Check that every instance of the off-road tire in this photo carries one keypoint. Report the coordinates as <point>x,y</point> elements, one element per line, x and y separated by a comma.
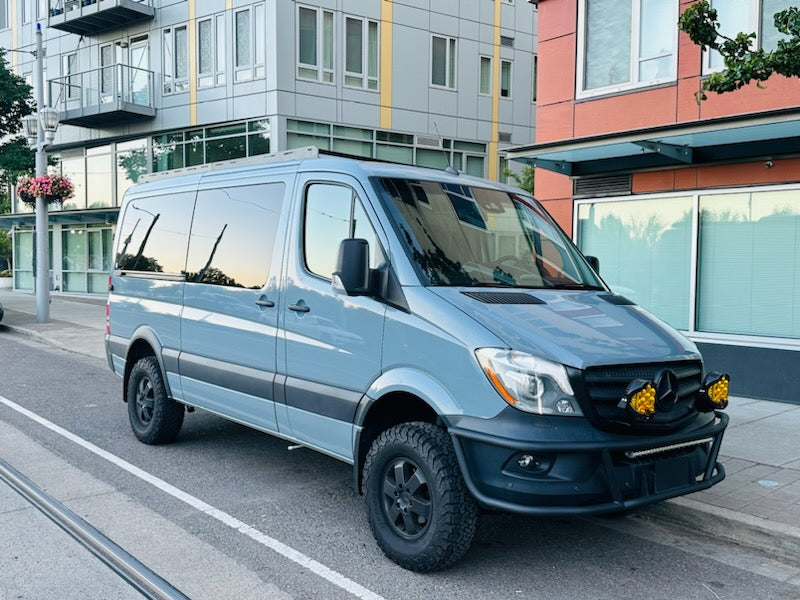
<point>155,418</point>
<point>421,455</point>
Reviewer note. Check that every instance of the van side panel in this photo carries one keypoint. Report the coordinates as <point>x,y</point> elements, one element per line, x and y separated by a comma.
<point>229,320</point>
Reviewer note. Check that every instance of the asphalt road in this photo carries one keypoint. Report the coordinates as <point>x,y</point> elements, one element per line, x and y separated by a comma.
<point>259,520</point>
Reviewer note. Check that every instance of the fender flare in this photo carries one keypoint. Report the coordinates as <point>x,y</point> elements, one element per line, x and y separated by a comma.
<point>146,334</point>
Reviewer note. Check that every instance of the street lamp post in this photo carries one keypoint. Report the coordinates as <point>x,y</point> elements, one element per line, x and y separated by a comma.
<point>40,129</point>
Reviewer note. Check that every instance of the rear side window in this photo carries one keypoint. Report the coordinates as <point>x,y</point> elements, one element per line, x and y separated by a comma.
<point>333,213</point>
<point>233,235</point>
<point>154,234</point>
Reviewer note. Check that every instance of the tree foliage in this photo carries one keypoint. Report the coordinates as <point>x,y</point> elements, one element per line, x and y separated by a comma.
<point>744,62</point>
<point>523,179</point>
<point>16,158</point>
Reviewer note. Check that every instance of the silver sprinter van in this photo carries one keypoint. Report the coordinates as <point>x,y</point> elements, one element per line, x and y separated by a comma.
<point>438,332</point>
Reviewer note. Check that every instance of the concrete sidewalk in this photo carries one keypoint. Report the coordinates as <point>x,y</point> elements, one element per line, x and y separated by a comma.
<point>758,503</point>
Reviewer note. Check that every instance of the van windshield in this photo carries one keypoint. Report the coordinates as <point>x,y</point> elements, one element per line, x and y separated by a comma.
<point>462,235</point>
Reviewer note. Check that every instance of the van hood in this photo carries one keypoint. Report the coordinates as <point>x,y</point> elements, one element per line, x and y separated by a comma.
<point>575,328</point>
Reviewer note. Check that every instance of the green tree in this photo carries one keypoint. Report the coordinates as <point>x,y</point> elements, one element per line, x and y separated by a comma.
<point>743,61</point>
<point>523,179</point>
<point>15,102</point>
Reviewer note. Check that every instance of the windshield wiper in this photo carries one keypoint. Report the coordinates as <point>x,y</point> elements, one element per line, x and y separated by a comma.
<point>576,286</point>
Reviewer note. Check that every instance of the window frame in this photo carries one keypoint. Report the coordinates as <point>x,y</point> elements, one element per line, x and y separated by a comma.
<point>694,333</point>
<point>755,22</point>
<point>635,58</point>
<point>69,70</point>
<point>216,75</point>
<point>450,60</point>
<point>355,199</point>
<point>503,63</point>
<point>368,82</point>
<point>324,67</point>
<point>173,84</point>
<point>481,59</point>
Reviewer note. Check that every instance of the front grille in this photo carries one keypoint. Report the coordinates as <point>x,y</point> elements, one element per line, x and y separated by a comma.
<point>605,386</point>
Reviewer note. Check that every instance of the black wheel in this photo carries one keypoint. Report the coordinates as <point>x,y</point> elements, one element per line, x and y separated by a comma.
<point>155,418</point>
<point>420,511</point>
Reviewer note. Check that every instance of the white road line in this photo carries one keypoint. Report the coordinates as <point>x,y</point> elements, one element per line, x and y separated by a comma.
<point>284,550</point>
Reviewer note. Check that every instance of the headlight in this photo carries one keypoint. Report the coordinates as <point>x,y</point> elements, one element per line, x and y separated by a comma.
<point>529,383</point>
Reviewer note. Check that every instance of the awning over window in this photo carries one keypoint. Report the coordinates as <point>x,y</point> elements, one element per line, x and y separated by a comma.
<point>92,215</point>
<point>728,139</point>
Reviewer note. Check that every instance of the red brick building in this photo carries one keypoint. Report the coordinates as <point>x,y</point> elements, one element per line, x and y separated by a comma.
<point>692,208</point>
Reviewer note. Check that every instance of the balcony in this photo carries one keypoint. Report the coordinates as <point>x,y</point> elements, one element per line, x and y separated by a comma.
<point>107,97</point>
<point>90,17</point>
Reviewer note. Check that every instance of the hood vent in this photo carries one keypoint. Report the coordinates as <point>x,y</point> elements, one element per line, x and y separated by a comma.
<point>617,299</point>
<point>504,298</point>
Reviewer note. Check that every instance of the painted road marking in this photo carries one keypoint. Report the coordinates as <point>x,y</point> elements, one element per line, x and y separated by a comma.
<point>262,538</point>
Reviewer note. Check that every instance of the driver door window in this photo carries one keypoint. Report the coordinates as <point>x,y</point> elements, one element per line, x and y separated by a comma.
<point>333,213</point>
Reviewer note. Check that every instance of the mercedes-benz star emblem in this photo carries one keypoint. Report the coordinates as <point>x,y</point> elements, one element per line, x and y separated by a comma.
<point>666,389</point>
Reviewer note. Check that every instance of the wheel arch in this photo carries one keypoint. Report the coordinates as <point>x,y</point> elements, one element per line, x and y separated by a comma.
<point>144,343</point>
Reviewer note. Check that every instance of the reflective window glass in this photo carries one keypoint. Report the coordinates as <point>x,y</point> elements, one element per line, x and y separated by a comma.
<point>154,233</point>
<point>749,264</point>
<point>233,232</point>
<point>334,213</point>
<point>644,247</point>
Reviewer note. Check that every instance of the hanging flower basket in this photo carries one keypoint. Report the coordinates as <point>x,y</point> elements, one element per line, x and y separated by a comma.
<point>53,188</point>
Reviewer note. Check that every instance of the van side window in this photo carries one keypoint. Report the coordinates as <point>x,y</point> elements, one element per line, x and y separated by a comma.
<point>154,233</point>
<point>333,213</point>
<point>233,234</point>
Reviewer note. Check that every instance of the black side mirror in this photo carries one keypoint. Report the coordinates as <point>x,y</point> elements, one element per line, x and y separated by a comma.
<point>594,262</point>
<point>352,268</point>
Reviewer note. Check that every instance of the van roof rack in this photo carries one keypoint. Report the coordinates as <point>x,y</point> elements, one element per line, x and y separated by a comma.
<point>260,159</point>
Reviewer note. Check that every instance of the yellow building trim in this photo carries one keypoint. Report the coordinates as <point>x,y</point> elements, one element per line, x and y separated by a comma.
<point>492,158</point>
<point>192,26</point>
<point>386,65</point>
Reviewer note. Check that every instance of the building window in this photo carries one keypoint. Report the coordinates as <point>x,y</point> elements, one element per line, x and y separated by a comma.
<point>443,61</point>
<point>749,264</point>
<point>361,53</point>
<point>645,250</point>
<point>211,51</point>
<point>25,7</point>
<point>249,43</point>
<point>4,14</point>
<point>210,144</point>
<point>485,85</point>
<point>625,44</point>
<point>533,78</point>
<point>743,246</point>
<point>315,44</point>
<point>176,59</point>
<point>390,146</point>
<point>746,16</point>
<point>505,79</point>
<point>69,67</point>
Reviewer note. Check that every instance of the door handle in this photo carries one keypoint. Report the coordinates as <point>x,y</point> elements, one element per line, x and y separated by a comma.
<point>265,303</point>
<point>301,308</point>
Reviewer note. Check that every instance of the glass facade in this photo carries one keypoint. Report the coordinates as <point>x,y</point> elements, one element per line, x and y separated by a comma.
<point>469,157</point>
<point>712,264</point>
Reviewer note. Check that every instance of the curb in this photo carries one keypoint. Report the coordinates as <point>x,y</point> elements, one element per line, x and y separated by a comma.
<point>779,540</point>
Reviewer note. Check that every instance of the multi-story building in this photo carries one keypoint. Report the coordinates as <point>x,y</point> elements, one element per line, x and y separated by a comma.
<point>152,85</point>
<point>693,208</point>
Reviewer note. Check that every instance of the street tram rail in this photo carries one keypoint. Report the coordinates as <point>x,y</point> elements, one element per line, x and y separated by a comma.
<point>138,575</point>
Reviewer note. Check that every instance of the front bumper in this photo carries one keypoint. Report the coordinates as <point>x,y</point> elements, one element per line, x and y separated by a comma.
<point>575,469</point>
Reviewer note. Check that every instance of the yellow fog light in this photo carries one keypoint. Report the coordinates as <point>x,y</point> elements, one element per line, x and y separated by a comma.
<point>640,399</point>
<point>714,392</point>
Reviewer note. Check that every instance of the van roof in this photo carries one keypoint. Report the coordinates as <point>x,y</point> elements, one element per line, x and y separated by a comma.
<point>302,159</point>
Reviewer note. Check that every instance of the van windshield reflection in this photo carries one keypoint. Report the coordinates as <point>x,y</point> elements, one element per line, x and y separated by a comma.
<point>463,235</point>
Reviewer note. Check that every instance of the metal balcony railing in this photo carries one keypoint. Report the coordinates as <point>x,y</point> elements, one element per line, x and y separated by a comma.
<point>90,17</point>
<point>104,97</point>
